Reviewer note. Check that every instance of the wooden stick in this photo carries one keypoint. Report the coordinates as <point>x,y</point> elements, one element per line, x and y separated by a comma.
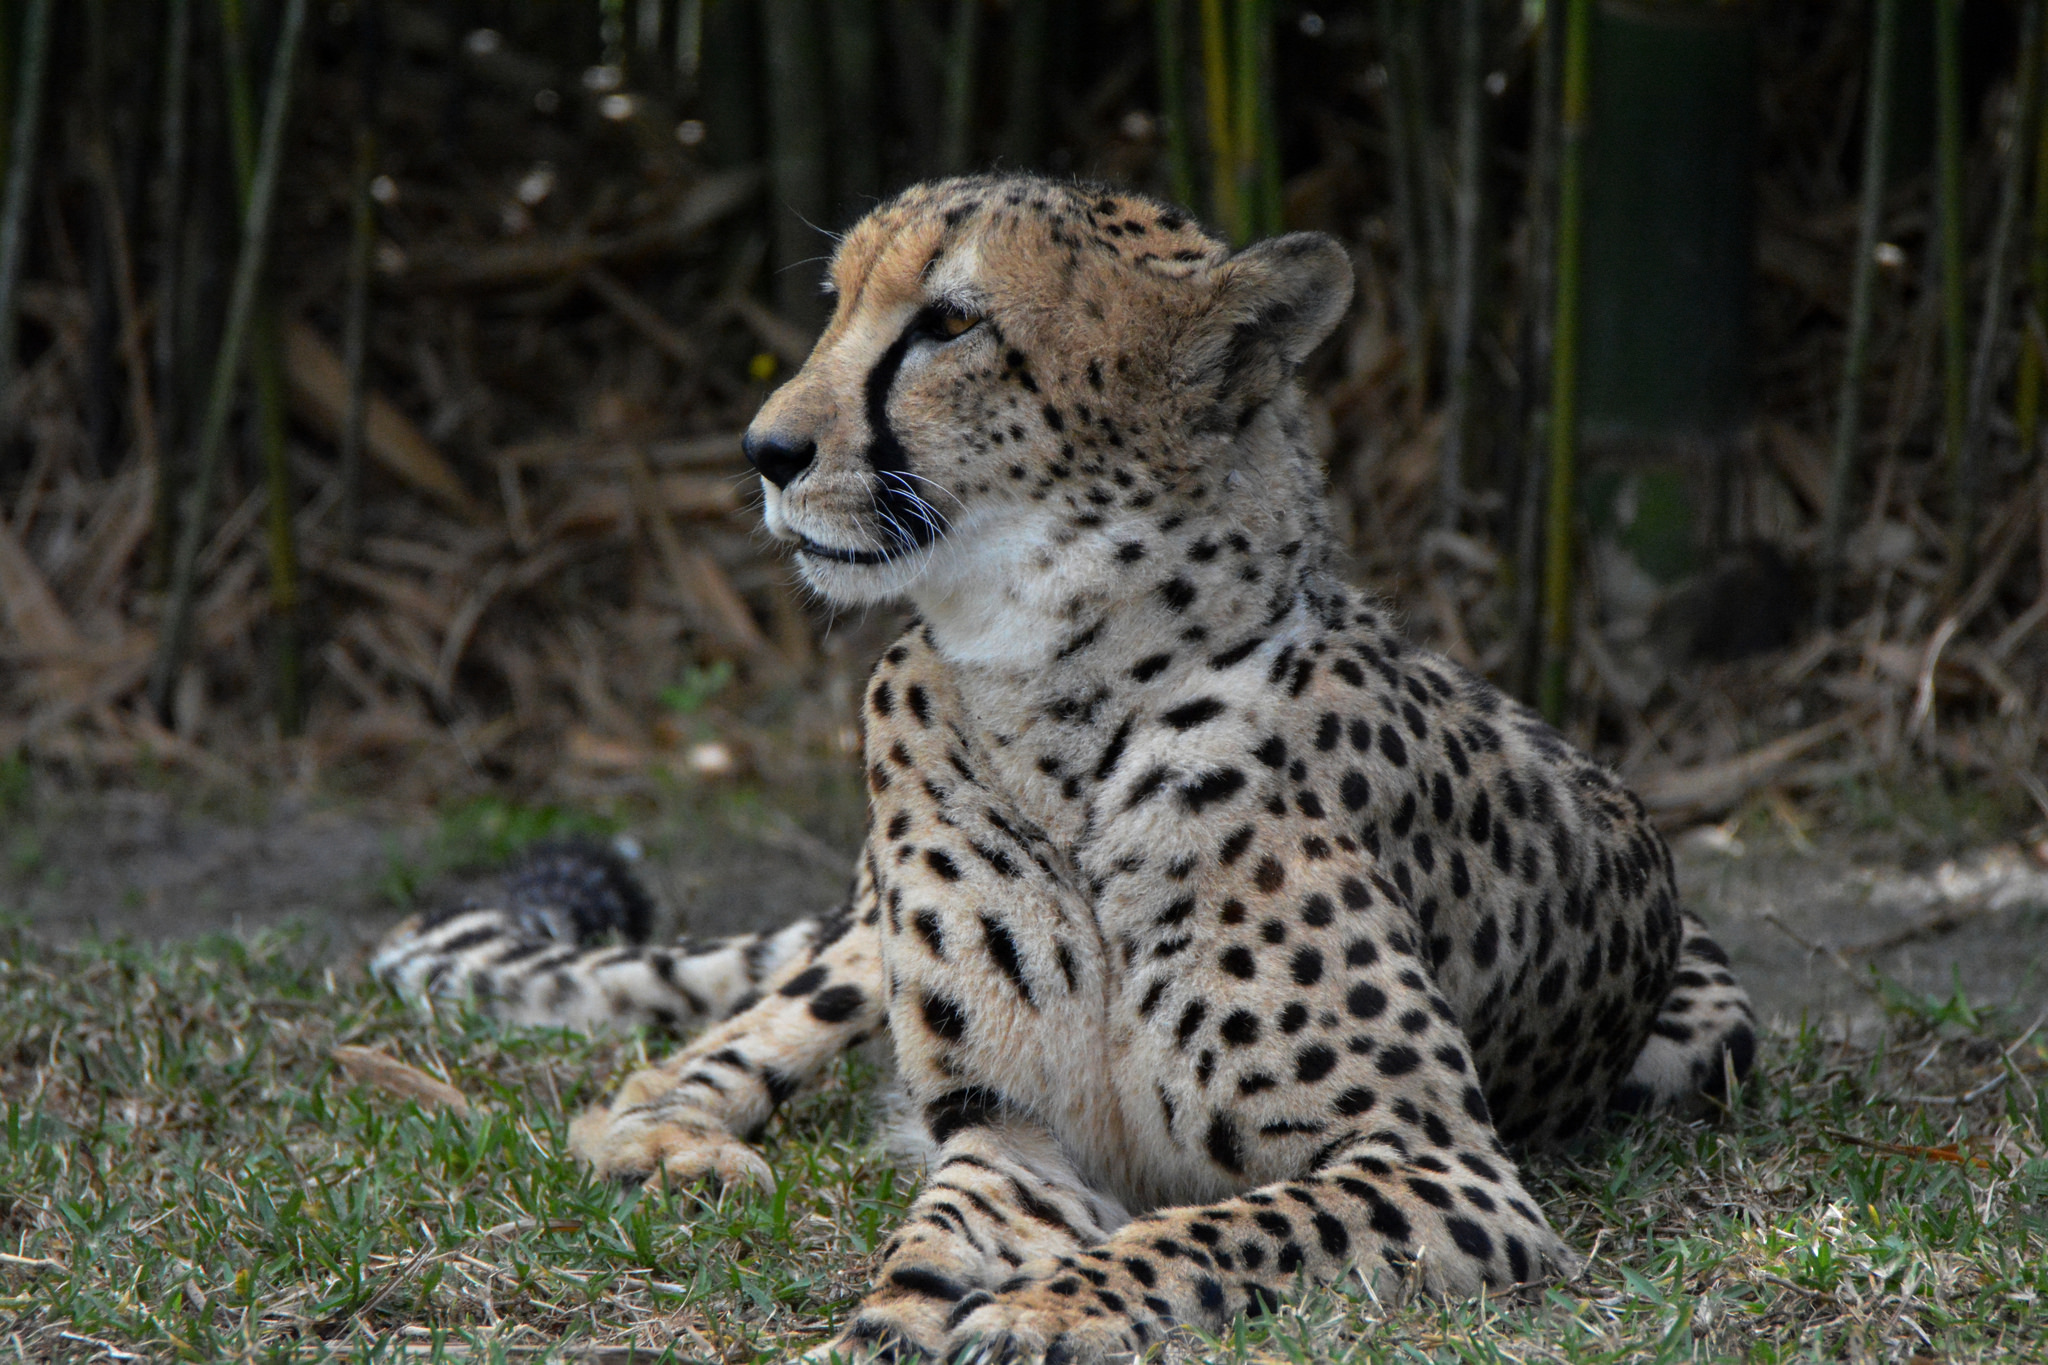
<point>1170,33</point>
<point>1225,205</point>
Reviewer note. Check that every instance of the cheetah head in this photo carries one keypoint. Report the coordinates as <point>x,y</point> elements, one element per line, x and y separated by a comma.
<point>1017,365</point>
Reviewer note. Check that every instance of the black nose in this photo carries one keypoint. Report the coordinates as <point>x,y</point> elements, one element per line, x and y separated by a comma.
<point>778,460</point>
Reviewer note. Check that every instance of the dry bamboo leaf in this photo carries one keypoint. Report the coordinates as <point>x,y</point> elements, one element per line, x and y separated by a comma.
<point>30,609</point>
<point>368,1066</point>
<point>319,388</point>
<point>1716,786</point>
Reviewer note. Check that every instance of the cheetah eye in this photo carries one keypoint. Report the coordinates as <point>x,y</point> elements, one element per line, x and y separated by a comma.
<point>946,321</point>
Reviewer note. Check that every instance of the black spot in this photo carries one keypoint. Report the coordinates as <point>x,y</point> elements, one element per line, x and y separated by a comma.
<point>1240,1028</point>
<point>1470,1237</point>
<point>1190,1020</point>
<point>1365,1000</point>
<point>1224,1145</point>
<point>1234,845</point>
<point>1311,1064</point>
<point>805,981</point>
<point>1212,787</point>
<point>942,864</point>
<point>1399,1061</point>
<point>1002,949</point>
<point>1355,1101</point>
<point>1190,714</point>
<point>1150,667</point>
<point>1238,962</point>
<point>1307,967</point>
<point>944,1017</point>
<point>1272,752</point>
<point>1179,594</point>
<point>927,1283</point>
<point>1269,876</point>
<point>920,704</point>
<point>836,1004</point>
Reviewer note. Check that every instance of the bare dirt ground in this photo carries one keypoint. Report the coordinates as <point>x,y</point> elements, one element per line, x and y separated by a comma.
<point>1820,923</point>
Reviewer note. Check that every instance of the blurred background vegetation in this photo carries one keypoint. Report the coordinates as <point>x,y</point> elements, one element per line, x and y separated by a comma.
<point>371,371</point>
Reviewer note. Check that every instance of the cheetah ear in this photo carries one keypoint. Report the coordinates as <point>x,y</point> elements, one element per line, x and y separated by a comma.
<point>1273,301</point>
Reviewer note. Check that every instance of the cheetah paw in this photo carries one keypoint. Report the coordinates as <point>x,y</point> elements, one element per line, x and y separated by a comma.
<point>637,1136</point>
<point>1023,1326</point>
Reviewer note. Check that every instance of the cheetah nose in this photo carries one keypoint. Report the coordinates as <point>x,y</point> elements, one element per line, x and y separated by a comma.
<point>777,459</point>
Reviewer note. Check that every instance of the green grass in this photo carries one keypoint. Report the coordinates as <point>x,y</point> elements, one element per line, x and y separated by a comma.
<point>185,1174</point>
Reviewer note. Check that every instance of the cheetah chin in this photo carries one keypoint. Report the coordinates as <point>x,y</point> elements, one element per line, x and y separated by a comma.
<point>1224,938</point>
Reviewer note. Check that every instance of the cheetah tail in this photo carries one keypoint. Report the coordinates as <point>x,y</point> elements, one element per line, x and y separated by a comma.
<point>1705,1033</point>
<point>548,952</point>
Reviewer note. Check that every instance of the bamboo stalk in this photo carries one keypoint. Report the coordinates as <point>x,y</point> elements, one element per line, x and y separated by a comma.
<point>1410,278</point>
<point>169,216</point>
<point>1564,372</point>
<point>1024,137</point>
<point>1536,343</point>
<point>1948,80</point>
<point>1224,202</point>
<point>1464,261</point>
<point>797,151</point>
<point>249,262</point>
<point>1170,33</point>
<point>1991,322</point>
<point>21,170</point>
<point>1247,89</point>
<point>362,241</point>
<point>856,144</point>
<point>266,366</point>
<point>963,50</point>
<point>2033,359</point>
<point>1869,223</point>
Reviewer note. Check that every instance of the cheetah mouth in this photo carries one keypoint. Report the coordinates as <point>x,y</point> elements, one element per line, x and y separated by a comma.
<point>805,545</point>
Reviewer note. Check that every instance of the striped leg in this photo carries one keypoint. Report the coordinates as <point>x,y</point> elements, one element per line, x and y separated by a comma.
<point>689,1116</point>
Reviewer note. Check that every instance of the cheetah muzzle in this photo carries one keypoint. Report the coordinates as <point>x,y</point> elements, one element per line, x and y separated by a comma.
<point>1224,937</point>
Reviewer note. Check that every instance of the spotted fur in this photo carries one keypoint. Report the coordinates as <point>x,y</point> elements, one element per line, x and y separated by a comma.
<point>1224,937</point>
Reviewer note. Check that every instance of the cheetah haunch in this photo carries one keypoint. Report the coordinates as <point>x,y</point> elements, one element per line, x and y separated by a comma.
<point>1224,937</point>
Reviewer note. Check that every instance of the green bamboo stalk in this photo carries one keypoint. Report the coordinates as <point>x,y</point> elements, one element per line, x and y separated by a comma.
<point>1948,81</point>
<point>1464,261</point>
<point>2033,363</point>
<point>1246,88</point>
<point>21,170</point>
<point>1024,135</point>
<point>266,367</point>
<point>1869,223</point>
<point>1224,203</point>
<point>1170,33</point>
<point>1410,280</point>
<point>963,52</point>
<point>1541,183</point>
<point>355,331</point>
<point>1564,371</point>
<point>856,147</point>
<point>797,150</point>
<point>1991,321</point>
<point>249,263</point>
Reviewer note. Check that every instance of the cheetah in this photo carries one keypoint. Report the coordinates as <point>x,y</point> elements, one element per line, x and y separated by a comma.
<point>1226,939</point>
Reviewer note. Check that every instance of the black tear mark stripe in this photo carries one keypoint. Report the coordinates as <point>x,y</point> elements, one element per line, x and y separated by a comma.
<point>904,518</point>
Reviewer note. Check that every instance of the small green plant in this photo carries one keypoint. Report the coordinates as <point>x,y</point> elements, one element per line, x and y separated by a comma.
<point>695,689</point>
<point>15,785</point>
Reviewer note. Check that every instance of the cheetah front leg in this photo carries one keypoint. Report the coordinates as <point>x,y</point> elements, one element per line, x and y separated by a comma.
<point>691,1116</point>
<point>1450,1227</point>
